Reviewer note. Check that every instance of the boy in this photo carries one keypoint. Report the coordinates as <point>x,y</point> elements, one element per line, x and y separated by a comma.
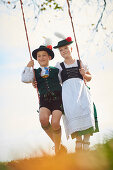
<point>49,91</point>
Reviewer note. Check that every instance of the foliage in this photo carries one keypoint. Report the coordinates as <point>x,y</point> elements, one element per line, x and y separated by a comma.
<point>102,22</point>
<point>42,5</point>
<point>50,3</point>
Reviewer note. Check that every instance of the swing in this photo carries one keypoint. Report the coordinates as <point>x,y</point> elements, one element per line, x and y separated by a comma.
<point>95,112</point>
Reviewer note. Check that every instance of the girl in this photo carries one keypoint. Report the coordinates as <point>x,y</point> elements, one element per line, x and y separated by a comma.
<point>78,107</point>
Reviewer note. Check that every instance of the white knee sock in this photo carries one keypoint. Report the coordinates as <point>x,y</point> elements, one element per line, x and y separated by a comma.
<point>86,142</point>
<point>78,142</point>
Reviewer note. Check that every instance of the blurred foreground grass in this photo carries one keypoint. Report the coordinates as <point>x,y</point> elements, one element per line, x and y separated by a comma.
<point>99,159</point>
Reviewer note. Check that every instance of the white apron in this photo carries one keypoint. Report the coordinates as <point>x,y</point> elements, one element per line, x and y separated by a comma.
<point>77,103</point>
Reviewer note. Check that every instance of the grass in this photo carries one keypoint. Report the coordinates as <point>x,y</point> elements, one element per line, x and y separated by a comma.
<point>4,166</point>
<point>99,159</point>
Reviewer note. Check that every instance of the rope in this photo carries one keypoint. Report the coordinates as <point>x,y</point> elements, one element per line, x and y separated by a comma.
<point>25,29</point>
<point>73,29</point>
<point>21,3</point>
<point>74,36</point>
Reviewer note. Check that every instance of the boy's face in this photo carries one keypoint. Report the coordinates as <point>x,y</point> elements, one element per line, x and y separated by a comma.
<point>43,58</point>
<point>65,51</point>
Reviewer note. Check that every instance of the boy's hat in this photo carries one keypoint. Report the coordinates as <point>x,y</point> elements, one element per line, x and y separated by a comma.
<point>47,48</point>
<point>64,42</point>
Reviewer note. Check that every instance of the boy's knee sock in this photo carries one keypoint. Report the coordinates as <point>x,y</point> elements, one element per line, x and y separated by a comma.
<point>49,131</point>
<point>86,142</point>
<point>57,139</point>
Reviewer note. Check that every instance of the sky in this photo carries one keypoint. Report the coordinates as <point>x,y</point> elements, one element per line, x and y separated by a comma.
<point>20,131</point>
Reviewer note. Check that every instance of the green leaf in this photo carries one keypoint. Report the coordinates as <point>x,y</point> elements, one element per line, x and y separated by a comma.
<point>43,9</point>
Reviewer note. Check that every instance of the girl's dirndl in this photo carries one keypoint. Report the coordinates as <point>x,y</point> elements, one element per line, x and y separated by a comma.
<point>77,102</point>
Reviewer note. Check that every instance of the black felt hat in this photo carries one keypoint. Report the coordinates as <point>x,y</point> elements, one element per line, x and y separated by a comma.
<point>64,42</point>
<point>48,49</point>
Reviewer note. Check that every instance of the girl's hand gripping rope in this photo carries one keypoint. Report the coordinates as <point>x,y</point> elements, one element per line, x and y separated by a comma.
<point>82,71</point>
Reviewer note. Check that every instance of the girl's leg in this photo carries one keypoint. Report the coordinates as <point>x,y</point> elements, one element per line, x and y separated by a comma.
<point>55,122</point>
<point>86,142</point>
<point>78,144</point>
<point>44,120</point>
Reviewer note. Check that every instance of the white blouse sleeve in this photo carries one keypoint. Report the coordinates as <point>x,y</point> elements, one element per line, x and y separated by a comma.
<point>27,75</point>
<point>60,69</point>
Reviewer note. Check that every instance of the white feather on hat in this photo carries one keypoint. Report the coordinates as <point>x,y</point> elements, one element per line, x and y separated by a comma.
<point>48,41</point>
<point>59,35</point>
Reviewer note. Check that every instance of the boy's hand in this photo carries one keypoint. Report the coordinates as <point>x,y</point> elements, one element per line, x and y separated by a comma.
<point>82,71</point>
<point>31,63</point>
<point>34,84</point>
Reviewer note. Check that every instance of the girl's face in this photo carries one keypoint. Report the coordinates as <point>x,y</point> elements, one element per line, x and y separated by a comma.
<point>43,58</point>
<point>65,51</point>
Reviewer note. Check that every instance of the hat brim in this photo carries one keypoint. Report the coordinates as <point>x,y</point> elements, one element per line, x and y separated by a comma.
<point>50,52</point>
<point>63,44</point>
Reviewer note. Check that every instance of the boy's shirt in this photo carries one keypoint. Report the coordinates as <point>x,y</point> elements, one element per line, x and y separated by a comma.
<point>27,75</point>
<point>44,72</point>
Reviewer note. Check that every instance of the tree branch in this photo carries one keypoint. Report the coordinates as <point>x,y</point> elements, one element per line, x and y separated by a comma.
<point>100,19</point>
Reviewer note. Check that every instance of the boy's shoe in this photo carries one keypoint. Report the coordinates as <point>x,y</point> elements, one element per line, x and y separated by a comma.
<point>62,150</point>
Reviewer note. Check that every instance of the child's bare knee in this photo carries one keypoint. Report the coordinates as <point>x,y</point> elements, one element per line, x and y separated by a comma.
<point>55,125</point>
<point>44,121</point>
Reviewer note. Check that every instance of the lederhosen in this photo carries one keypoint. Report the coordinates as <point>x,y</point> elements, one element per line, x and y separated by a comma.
<point>50,90</point>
